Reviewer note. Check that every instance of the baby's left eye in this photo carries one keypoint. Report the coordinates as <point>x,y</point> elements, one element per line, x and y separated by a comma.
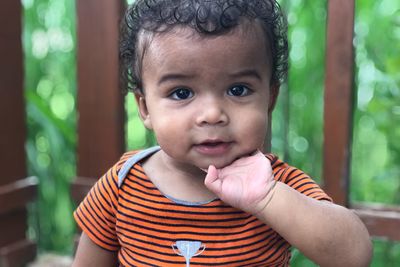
<point>239,90</point>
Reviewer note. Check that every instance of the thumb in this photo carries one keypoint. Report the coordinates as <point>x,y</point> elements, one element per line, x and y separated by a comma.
<point>212,181</point>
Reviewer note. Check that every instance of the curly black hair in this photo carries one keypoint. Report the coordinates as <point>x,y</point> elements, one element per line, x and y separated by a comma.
<point>208,17</point>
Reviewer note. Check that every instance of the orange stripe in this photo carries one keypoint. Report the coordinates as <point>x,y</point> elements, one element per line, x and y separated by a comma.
<point>96,239</point>
<point>97,229</point>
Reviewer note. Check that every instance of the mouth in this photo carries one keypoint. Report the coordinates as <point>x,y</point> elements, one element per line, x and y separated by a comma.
<point>213,147</point>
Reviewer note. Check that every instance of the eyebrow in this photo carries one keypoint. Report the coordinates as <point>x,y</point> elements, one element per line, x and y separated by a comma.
<point>179,76</point>
<point>248,72</point>
<point>174,76</point>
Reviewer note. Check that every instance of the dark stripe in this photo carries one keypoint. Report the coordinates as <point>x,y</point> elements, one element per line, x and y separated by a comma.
<point>290,172</point>
<point>268,234</point>
<point>138,190</point>
<point>98,205</point>
<point>243,260</point>
<point>96,196</point>
<point>284,174</point>
<point>297,176</point>
<point>237,212</point>
<point>271,254</point>
<point>284,243</point>
<point>279,175</point>
<point>133,260</point>
<point>275,161</point>
<point>100,221</point>
<point>170,203</point>
<point>144,248</point>
<point>87,228</point>
<point>96,226</point>
<point>139,170</point>
<point>149,257</point>
<point>134,232</point>
<point>303,184</point>
<point>111,189</point>
<point>308,189</point>
<point>176,231</point>
<point>134,179</point>
<point>202,226</point>
<point>178,218</point>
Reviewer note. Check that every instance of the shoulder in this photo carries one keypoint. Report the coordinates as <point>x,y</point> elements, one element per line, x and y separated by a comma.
<point>282,171</point>
<point>125,157</point>
<point>129,159</point>
<point>108,184</point>
<point>296,178</point>
<point>113,172</point>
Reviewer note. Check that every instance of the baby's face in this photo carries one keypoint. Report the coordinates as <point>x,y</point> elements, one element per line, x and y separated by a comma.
<point>207,98</point>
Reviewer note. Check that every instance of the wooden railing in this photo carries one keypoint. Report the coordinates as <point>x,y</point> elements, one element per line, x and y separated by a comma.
<point>15,189</point>
<point>100,104</point>
<point>381,221</point>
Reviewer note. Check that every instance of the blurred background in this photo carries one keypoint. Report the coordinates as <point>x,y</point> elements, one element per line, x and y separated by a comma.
<point>49,45</point>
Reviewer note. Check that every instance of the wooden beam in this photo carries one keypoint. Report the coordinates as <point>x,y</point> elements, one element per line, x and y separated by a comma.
<point>15,249</point>
<point>81,187</point>
<point>18,254</point>
<point>338,104</point>
<point>100,102</point>
<point>16,195</point>
<point>12,115</point>
<point>16,224</point>
<point>381,221</point>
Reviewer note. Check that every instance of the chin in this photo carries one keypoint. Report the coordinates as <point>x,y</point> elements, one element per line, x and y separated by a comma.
<point>219,164</point>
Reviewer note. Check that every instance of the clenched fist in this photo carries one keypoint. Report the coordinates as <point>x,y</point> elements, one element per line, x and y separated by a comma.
<point>245,184</point>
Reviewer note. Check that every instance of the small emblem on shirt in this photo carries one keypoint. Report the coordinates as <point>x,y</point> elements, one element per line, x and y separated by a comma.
<point>188,249</point>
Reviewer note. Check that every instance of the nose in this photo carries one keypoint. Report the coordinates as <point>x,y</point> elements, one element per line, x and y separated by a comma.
<point>212,113</point>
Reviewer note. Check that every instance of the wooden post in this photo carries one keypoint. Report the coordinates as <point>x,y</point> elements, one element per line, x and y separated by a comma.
<point>15,189</point>
<point>100,101</point>
<point>338,99</point>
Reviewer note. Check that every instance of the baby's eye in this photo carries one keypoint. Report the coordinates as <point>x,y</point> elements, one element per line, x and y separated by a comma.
<point>181,94</point>
<point>239,90</point>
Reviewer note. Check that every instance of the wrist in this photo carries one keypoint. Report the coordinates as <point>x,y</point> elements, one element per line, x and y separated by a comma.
<point>268,198</point>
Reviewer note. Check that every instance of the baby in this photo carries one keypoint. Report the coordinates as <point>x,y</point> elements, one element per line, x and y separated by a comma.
<point>206,75</point>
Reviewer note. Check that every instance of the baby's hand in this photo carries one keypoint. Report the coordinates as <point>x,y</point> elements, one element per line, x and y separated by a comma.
<point>244,184</point>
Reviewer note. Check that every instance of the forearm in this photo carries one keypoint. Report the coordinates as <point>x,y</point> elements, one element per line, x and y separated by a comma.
<point>328,234</point>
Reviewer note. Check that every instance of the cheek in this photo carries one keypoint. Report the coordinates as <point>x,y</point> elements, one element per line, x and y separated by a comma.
<point>254,127</point>
<point>167,120</point>
<point>168,129</point>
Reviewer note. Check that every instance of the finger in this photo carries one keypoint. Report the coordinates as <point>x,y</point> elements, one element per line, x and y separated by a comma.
<point>212,181</point>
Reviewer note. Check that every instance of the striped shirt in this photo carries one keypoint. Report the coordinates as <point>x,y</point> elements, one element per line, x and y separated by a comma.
<point>149,229</point>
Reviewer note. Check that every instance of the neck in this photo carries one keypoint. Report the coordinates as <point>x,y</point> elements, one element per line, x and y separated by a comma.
<point>183,170</point>
<point>176,179</point>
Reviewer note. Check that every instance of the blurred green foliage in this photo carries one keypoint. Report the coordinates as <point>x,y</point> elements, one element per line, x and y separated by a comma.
<point>50,86</point>
<point>376,139</point>
<point>49,45</point>
<point>297,120</point>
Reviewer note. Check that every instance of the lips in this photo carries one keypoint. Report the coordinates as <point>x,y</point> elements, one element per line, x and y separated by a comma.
<point>213,147</point>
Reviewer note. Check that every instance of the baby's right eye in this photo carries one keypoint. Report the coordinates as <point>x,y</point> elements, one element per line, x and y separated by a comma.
<point>181,94</point>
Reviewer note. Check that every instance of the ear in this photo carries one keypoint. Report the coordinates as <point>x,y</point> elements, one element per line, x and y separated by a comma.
<point>143,111</point>
<point>273,96</point>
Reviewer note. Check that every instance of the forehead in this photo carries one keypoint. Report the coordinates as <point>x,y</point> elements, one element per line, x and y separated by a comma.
<point>246,43</point>
<point>246,28</point>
